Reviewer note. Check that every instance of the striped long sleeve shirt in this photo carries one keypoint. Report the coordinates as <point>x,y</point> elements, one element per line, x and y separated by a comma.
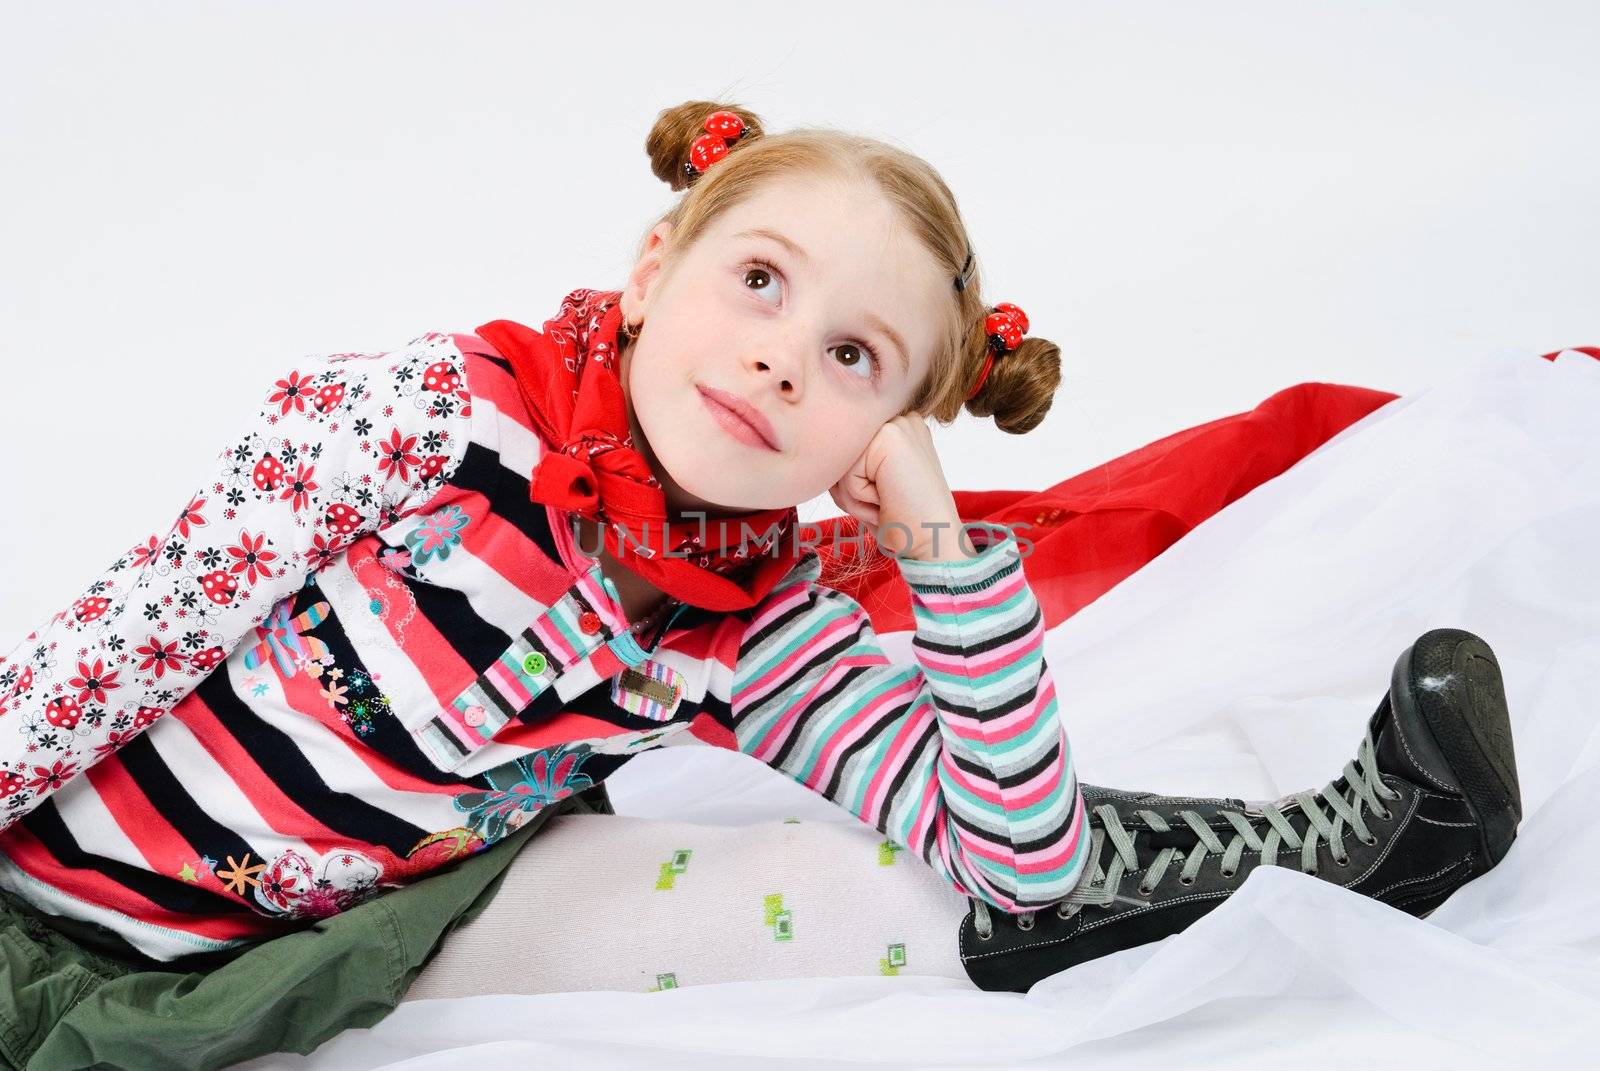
<point>961,757</point>
<point>360,652</point>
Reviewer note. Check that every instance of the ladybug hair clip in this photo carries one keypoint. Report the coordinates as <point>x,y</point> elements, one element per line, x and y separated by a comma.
<point>723,131</point>
<point>1005,327</point>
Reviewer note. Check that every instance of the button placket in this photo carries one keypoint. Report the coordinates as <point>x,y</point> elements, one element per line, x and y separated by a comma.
<point>579,622</point>
<point>533,662</point>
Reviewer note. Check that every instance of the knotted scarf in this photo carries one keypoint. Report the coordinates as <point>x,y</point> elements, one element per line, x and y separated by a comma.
<point>569,378</point>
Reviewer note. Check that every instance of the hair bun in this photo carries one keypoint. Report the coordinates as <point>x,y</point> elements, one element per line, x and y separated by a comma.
<point>672,138</point>
<point>1021,386</point>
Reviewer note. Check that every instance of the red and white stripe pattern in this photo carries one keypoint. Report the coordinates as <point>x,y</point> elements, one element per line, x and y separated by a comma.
<point>398,720</point>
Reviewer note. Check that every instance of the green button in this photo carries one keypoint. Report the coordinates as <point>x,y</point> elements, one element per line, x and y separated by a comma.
<point>534,664</point>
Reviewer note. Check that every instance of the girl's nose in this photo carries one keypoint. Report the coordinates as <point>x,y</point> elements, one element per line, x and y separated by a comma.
<point>785,362</point>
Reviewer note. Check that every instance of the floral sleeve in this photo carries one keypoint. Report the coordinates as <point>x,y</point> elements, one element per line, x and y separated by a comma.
<point>340,445</point>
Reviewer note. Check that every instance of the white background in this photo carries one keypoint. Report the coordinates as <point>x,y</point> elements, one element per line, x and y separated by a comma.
<point>1202,204</point>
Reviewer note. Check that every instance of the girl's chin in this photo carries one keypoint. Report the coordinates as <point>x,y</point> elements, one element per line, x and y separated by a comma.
<point>696,497</point>
<point>721,500</point>
<point>713,506</point>
<point>707,495</point>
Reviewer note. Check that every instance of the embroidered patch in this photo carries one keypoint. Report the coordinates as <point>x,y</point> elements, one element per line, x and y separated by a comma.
<point>650,690</point>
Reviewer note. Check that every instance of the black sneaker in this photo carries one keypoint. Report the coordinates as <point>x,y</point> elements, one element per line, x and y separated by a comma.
<point>1430,802</point>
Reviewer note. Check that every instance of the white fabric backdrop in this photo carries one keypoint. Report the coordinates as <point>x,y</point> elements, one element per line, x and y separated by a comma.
<point>1243,661</point>
<point>1200,203</point>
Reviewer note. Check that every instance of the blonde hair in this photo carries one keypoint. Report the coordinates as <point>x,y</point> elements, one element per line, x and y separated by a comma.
<point>1020,385</point>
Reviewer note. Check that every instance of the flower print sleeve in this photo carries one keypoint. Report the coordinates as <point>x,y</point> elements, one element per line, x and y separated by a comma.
<point>340,445</point>
<point>962,757</point>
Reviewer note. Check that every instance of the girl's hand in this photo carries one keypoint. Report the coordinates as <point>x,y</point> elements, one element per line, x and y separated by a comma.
<point>898,490</point>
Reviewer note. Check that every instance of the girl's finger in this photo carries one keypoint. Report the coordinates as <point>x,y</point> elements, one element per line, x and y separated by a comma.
<point>866,512</point>
<point>864,490</point>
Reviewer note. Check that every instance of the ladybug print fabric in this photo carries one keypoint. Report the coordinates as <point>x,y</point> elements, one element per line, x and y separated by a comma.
<point>359,651</point>
<point>340,445</point>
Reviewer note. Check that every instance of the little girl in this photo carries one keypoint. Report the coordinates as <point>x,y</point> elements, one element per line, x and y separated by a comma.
<point>435,593</point>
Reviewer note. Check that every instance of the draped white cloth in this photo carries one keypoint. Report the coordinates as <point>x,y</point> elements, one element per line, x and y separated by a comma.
<point>1244,661</point>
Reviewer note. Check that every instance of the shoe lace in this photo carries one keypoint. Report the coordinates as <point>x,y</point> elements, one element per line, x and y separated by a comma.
<point>1100,885</point>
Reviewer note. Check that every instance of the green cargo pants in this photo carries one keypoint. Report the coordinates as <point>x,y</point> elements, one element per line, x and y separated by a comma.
<point>80,1001</point>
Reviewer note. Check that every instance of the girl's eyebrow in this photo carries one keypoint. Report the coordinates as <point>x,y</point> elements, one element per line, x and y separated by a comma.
<point>893,336</point>
<point>787,243</point>
<point>799,254</point>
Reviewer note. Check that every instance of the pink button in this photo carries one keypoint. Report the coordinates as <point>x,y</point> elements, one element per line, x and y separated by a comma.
<point>474,715</point>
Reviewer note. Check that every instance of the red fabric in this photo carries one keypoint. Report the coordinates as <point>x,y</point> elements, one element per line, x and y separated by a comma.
<point>1592,351</point>
<point>569,380</point>
<point>1091,531</point>
<point>1080,537</point>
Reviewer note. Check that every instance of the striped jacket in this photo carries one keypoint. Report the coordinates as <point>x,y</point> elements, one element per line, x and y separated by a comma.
<point>360,652</point>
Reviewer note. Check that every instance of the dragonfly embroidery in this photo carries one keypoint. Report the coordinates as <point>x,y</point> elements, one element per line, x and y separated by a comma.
<point>281,638</point>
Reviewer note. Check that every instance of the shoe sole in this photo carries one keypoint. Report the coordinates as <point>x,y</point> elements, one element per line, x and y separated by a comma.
<point>1449,680</point>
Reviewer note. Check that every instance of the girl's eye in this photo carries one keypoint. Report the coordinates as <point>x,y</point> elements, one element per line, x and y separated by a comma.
<point>761,270</point>
<point>765,274</point>
<point>867,359</point>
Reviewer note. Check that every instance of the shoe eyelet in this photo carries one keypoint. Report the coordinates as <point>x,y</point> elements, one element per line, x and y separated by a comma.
<point>1385,816</point>
<point>1229,873</point>
<point>1369,841</point>
<point>1063,911</point>
<point>1185,881</point>
<point>1312,872</point>
<point>1025,922</point>
<point>1143,891</point>
<point>1342,862</point>
<point>985,936</point>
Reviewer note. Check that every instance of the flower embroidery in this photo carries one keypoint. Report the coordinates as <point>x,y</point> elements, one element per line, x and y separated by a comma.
<point>314,472</point>
<point>240,874</point>
<point>289,886</point>
<point>159,656</point>
<point>52,777</point>
<point>293,392</point>
<point>142,554</point>
<point>395,559</point>
<point>115,740</point>
<point>251,558</point>
<point>522,787</point>
<point>190,518</point>
<point>322,552</point>
<point>435,537</point>
<point>298,490</point>
<point>94,681</point>
<point>285,881</point>
<point>396,456</point>
<point>361,701</point>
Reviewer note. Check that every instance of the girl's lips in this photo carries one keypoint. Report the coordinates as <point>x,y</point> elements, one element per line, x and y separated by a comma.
<point>730,412</point>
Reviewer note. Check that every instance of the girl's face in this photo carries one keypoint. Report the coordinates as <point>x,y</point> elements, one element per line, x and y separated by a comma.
<point>805,335</point>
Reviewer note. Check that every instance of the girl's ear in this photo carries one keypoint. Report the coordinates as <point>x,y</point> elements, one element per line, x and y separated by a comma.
<point>646,272</point>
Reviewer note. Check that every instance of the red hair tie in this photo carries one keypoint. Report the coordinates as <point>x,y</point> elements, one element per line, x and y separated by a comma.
<point>723,130</point>
<point>1005,325</point>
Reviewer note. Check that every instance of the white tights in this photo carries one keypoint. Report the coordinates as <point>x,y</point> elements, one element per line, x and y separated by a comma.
<point>625,903</point>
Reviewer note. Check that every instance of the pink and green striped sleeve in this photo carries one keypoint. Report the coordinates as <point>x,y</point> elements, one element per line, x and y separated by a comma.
<point>961,757</point>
